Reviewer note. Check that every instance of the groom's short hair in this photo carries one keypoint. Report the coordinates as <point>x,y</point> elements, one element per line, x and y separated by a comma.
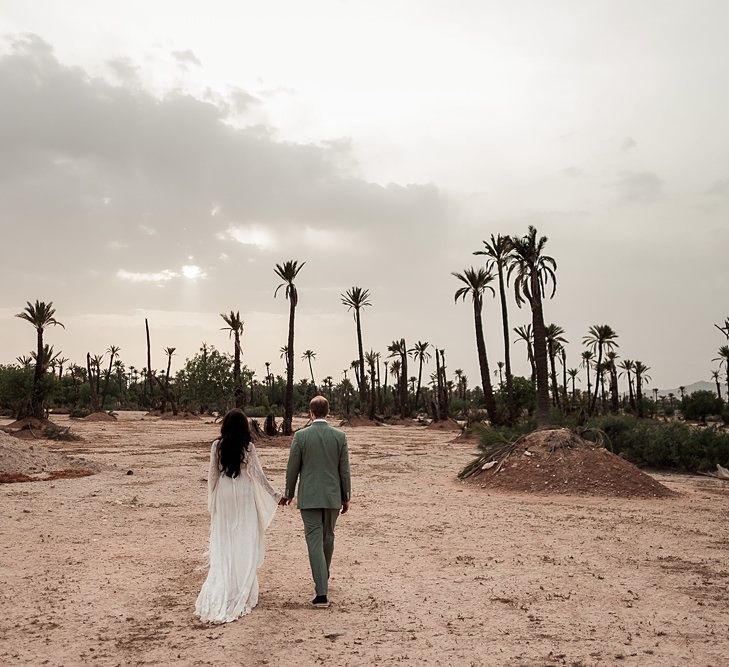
<point>319,407</point>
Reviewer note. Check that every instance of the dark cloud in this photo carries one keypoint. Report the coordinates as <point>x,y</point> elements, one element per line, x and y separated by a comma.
<point>115,179</point>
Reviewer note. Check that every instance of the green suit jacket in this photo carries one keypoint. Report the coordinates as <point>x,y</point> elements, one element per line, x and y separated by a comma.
<point>319,459</point>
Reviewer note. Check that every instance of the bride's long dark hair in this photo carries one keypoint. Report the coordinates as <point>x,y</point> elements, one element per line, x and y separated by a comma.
<point>235,438</point>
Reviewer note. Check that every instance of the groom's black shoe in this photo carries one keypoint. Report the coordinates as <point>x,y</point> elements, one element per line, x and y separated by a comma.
<point>320,602</point>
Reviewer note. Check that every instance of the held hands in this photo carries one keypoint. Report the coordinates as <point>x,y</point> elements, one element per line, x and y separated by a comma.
<point>284,501</point>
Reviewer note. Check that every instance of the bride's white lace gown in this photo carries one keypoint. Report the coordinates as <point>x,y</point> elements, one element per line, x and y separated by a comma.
<point>241,508</point>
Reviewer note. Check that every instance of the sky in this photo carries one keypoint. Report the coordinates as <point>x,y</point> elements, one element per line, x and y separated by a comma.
<point>158,159</point>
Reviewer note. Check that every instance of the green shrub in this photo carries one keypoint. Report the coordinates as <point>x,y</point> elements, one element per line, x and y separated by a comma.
<point>672,446</point>
<point>725,414</point>
<point>700,404</point>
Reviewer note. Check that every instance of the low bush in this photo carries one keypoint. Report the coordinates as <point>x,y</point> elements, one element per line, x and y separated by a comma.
<point>701,404</point>
<point>672,446</point>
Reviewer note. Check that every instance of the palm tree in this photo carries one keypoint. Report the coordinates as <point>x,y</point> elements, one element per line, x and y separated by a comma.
<point>49,357</point>
<point>113,351</point>
<point>235,328</point>
<point>398,348</point>
<point>356,298</point>
<point>61,361</point>
<point>641,373</point>
<point>24,360</point>
<point>715,377</point>
<point>395,372</point>
<point>682,391</point>
<point>525,333</point>
<point>610,358</point>
<point>627,367</point>
<point>534,271</point>
<point>573,373</point>
<point>459,378</point>
<point>40,315</point>
<point>499,251</point>
<point>309,355</point>
<point>723,360</point>
<point>420,354</point>
<point>119,368</point>
<point>499,373</point>
<point>372,359</point>
<point>288,272</point>
<point>555,340</point>
<point>587,360</point>
<point>600,337</point>
<point>476,282</point>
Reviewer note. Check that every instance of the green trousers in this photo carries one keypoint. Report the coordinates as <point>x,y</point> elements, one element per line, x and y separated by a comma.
<point>319,530</point>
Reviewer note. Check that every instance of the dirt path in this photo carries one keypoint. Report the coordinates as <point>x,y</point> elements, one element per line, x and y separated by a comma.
<point>105,569</point>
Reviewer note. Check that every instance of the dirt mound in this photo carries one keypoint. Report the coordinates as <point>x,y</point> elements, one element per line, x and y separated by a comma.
<point>358,421</point>
<point>444,425</point>
<point>100,417</point>
<point>23,462</point>
<point>28,424</point>
<point>179,416</point>
<point>557,461</point>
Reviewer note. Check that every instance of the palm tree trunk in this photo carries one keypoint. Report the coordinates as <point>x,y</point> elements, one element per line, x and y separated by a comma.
<point>240,397</point>
<point>639,393</point>
<point>555,388</point>
<point>718,388</point>
<point>420,377</point>
<point>311,370</point>
<point>598,378</point>
<point>106,382</point>
<point>507,344</point>
<point>630,391</point>
<point>614,390</point>
<point>361,379</point>
<point>149,364</point>
<point>289,395</point>
<point>540,352</point>
<point>36,400</point>
<point>483,364</point>
<point>93,386</point>
<point>404,399</point>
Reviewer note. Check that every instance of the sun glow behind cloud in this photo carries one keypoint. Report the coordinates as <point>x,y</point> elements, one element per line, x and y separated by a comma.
<point>254,235</point>
<point>189,271</point>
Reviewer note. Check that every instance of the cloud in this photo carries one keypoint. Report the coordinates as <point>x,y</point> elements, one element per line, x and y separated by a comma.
<point>185,58</point>
<point>124,70</point>
<point>628,144</point>
<point>252,235</point>
<point>719,188</point>
<point>639,187</point>
<point>137,277</point>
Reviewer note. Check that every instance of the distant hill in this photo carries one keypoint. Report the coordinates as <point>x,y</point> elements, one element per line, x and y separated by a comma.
<point>701,385</point>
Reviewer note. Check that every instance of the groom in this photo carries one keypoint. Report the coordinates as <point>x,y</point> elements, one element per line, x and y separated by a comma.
<point>319,458</point>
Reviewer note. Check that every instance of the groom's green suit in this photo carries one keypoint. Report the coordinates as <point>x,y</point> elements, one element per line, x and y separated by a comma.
<point>319,459</point>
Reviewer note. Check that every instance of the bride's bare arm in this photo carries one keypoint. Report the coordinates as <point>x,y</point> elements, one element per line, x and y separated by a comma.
<point>213,473</point>
<point>254,467</point>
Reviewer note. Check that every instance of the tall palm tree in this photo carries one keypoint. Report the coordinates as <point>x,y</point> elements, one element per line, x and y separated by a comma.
<point>715,377</point>
<point>49,357</point>
<point>356,298</point>
<point>40,315</point>
<point>525,333</point>
<point>499,373</point>
<point>459,380</point>
<point>641,374</point>
<point>610,358</point>
<point>723,360</point>
<point>555,340</point>
<point>420,354</point>
<point>398,348</point>
<point>476,282</point>
<point>113,351</point>
<point>235,329</point>
<point>588,358</point>
<point>533,272</point>
<point>395,372</point>
<point>499,251</point>
<point>627,366</point>
<point>288,271</point>
<point>573,373</point>
<point>310,355</point>
<point>600,338</point>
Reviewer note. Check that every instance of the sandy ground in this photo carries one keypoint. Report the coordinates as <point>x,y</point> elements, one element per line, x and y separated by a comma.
<point>105,569</point>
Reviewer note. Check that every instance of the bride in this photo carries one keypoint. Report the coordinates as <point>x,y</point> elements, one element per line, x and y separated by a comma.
<point>241,503</point>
